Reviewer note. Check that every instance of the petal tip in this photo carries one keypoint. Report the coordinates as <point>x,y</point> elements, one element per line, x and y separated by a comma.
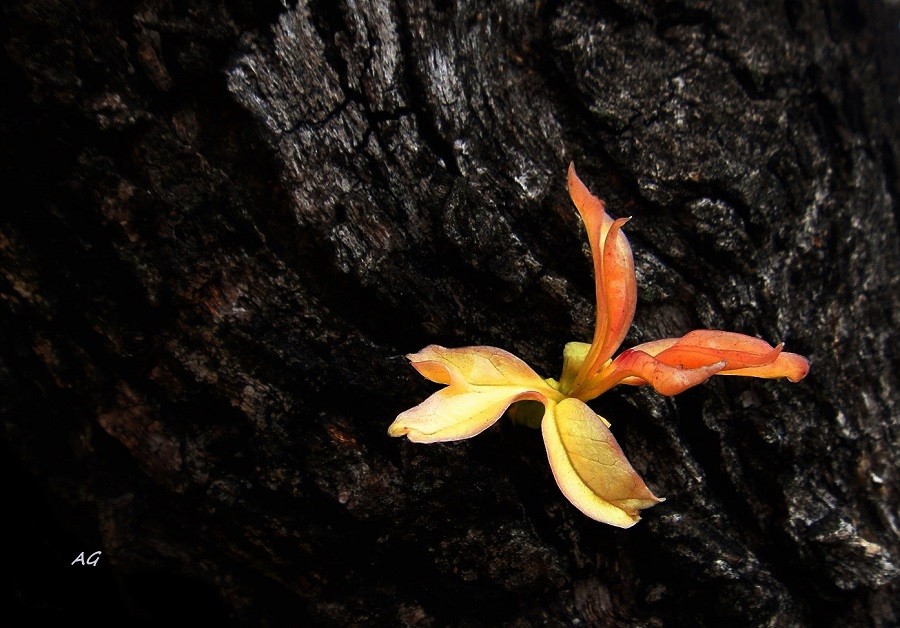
<point>397,430</point>
<point>799,367</point>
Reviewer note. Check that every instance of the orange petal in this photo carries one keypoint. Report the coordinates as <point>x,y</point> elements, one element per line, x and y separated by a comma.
<point>616,289</point>
<point>589,466</point>
<point>737,350</point>
<point>672,365</point>
<point>482,382</point>
<point>667,379</point>
<point>743,355</point>
<point>620,287</point>
<point>790,365</point>
<point>655,347</point>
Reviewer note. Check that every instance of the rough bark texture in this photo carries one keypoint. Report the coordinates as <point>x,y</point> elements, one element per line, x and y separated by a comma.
<point>226,223</point>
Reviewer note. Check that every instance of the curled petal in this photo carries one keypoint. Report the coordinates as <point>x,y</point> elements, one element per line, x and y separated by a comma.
<point>455,413</point>
<point>482,382</point>
<point>616,288</point>
<point>743,355</point>
<point>477,366</point>
<point>589,466</point>
<point>790,365</point>
<point>641,367</point>
<point>703,345</point>
<point>619,287</point>
<point>672,365</point>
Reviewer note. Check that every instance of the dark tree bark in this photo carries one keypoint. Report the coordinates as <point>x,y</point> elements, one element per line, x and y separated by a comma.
<point>226,223</point>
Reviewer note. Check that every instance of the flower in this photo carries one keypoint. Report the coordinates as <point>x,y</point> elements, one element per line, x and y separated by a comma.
<point>592,472</point>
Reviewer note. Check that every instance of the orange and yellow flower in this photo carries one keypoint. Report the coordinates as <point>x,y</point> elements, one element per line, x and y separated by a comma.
<point>587,462</point>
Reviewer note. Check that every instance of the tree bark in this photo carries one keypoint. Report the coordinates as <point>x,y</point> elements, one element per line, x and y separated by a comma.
<point>226,223</point>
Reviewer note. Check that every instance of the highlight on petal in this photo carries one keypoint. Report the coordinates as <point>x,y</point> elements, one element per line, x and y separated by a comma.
<point>616,288</point>
<point>482,382</point>
<point>589,466</point>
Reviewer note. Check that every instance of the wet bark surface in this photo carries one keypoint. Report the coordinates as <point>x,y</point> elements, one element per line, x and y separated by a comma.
<point>227,223</point>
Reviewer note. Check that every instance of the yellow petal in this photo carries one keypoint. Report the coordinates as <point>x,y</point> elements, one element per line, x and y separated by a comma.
<point>482,382</point>
<point>478,366</point>
<point>589,466</point>
<point>457,412</point>
<point>574,354</point>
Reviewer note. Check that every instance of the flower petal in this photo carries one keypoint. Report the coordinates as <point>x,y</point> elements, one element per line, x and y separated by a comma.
<point>703,345</point>
<point>482,382</point>
<point>478,366</point>
<point>743,355</point>
<point>665,378</point>
<point>616,288</point>
<point>672,365</point>
<point>790,365</point>
<point>457,412</point>
<point>589,466</point>
<point>620,287</point>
